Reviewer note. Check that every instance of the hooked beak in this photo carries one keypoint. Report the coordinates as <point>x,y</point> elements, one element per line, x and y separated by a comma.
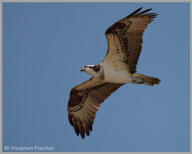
<point>82,70</point>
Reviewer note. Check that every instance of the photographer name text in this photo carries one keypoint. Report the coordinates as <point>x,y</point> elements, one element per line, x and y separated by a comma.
<point>28,148</point>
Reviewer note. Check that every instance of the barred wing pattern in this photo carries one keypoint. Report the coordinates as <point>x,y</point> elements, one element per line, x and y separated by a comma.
<point>85,100</point>
<point>125,38</point>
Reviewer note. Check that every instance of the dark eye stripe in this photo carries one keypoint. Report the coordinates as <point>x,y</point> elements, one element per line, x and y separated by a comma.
<point>97,67</point>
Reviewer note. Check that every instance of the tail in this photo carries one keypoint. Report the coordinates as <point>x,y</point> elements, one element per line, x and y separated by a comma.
<point>148,80</point>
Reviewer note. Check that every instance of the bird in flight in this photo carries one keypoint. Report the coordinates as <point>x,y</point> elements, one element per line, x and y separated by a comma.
<point>116,69</point>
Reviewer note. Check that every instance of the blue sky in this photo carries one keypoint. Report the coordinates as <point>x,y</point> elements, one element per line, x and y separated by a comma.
<point>46,44</point>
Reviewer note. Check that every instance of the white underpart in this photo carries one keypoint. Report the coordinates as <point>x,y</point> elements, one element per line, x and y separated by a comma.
<point>115,70</point>
<point>92,72</point>
<point>116,74</point>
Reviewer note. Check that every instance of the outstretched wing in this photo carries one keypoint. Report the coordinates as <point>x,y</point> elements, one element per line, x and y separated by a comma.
<point>85,99</point>
<point>125,39</point>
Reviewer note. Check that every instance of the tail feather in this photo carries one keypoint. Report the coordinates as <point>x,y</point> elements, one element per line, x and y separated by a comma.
<point>148,80</point>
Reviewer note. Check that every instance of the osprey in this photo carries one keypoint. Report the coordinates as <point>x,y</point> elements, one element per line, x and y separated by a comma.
<point>116,69</point>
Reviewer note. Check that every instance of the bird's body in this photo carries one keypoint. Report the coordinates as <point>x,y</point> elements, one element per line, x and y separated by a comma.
<point>116,74</point>
<point>116,69</point>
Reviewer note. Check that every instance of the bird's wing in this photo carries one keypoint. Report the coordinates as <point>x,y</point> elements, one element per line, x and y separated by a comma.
<point>125,38</point>
<point>84,101</point>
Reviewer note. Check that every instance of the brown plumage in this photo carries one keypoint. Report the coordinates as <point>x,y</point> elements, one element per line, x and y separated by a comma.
<point>148,80</point>
<point>124,47</point>
<point>84,103</point>
<point>128,36</point>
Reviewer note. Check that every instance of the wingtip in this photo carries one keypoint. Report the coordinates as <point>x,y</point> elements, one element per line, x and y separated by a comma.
<point>91,128</point>
<point>148,9</point>
<point>76,131</point>
<point>153,15</point>
<point>83,135</point>
<point>134,12</point>
<point>137,12</point>
<point>143,12</point>
<point>140,8</point>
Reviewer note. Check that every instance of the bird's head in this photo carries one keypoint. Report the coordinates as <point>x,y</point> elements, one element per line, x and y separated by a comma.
<point>91,69</point>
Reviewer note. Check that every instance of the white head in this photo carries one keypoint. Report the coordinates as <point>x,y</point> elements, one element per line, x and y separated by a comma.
<point>93,70</point>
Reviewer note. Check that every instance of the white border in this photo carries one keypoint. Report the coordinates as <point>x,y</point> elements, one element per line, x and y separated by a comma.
<point>1,49</point>
<point>96,1</point>
<point>1,73</point>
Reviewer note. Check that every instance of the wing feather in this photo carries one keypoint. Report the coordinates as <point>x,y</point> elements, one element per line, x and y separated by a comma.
<point>125,38</point>
<point>84,103</point>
